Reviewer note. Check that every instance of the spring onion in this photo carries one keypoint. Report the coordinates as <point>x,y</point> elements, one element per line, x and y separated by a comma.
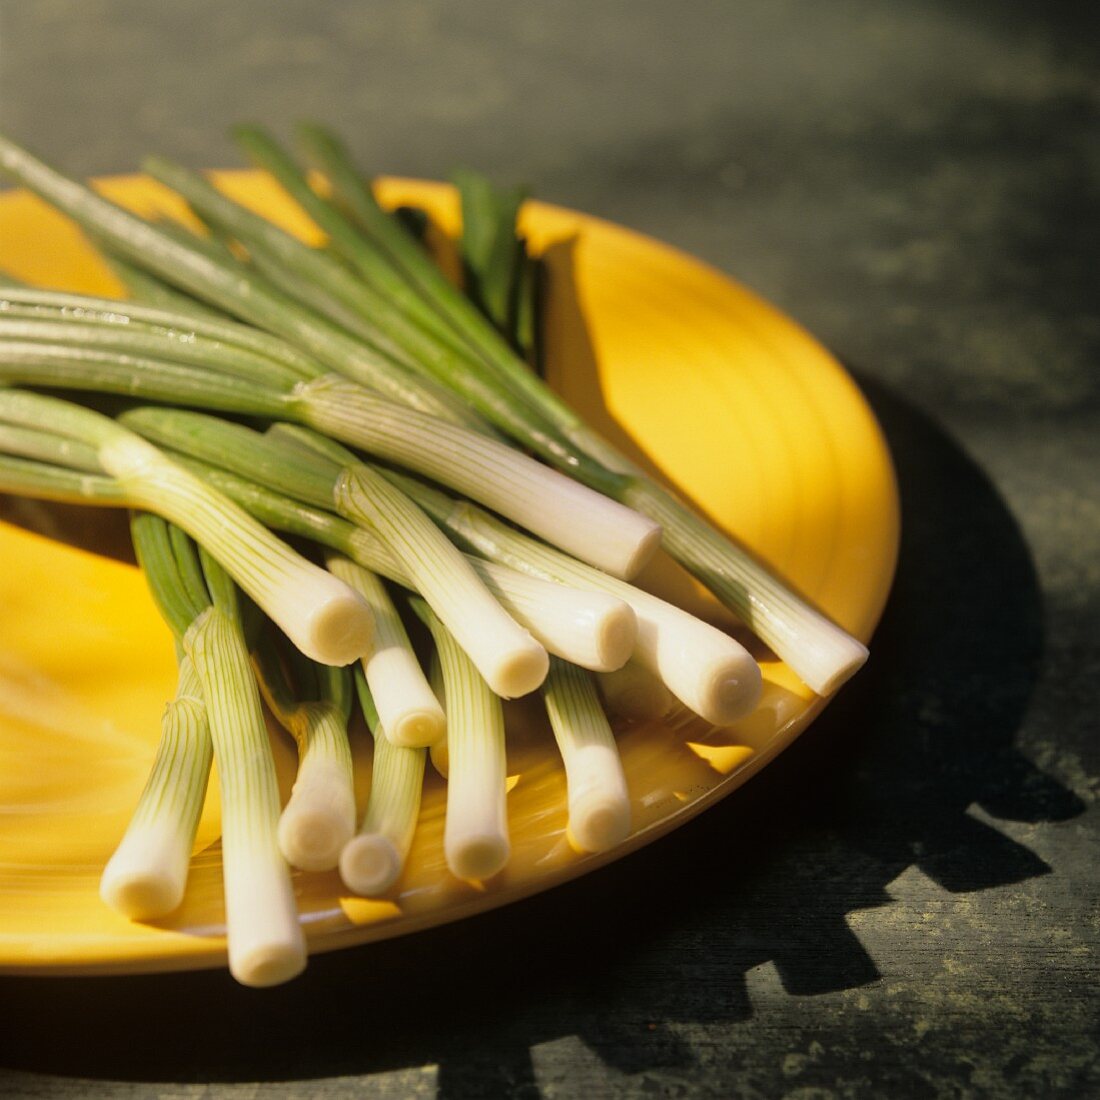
<point>711,673</point>
<point>634,692</point>
<point>588,628</point>
<point>509,658</point>
<point>568,514</point>
<point>225,284</point>
<point>819,652</point>
<point>319,817</point>
<point>266,945</point>
<point>408,710</point>
<point>475,835</point>
<point>372,861</point>
<point>599,807</point>
<point>324,618</point>
<point>146,876</point>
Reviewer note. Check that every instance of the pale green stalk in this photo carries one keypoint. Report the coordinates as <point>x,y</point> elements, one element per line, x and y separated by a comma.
<point>53,305</point>
<point>408,710</point>
<point>599,806</point>
<point>146,876</point>
<point>319,818</point>
<point>226,284</point>
<point>45,482</point>
<point>372,861</point>
<point>344,238</point>
<point>147,343</point>
<point>388,331</point>
<point>475,840</point>
<point>265,940</point>
<point>146,289</point>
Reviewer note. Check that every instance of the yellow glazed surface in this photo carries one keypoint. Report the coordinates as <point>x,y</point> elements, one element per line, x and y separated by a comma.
<point>696,376</point>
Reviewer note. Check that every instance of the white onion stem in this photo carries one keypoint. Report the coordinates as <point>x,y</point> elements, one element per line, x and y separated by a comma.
<point>506,655</point>
<point>572,516</point>
<point>408,710</point>
<point>372,861</point>
<point>146,876</point>
<point>710,672</point>
<point>599,806</point>
<point>475,835</point>
<point>634,692</point>
<point>266,945</point>
<point>319,817</point>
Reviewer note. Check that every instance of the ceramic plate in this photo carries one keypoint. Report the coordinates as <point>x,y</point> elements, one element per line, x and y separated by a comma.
<point>707,384</point>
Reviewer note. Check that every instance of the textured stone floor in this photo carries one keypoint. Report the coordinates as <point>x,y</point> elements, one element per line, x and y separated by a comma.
<point>916,182</point>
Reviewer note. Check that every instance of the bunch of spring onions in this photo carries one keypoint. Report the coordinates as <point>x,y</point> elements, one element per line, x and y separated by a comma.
<point>351,396</point>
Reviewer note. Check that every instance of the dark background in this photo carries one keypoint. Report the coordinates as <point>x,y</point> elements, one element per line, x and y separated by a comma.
<point>906,903</point>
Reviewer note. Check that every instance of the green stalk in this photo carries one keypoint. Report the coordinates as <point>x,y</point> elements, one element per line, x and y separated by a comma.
<point>526,330</point>
<point>50,305</point>
<point>44,482</point>
<point>222,283</point>
<point>146,289</point>
<point>373,860</point>
<point>70,366</point>
<point>144,343</point>
<point>491,255</point>
<point>344,238</point>
<point>45,447</point>
<point>388,331</point>
<point>818,651</point>
<point>418,268</point>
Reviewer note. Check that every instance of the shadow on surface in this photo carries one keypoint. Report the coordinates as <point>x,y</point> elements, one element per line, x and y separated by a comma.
<point>667,934</point>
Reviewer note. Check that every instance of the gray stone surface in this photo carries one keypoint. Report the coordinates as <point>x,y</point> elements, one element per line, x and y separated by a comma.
<point>918,183</point>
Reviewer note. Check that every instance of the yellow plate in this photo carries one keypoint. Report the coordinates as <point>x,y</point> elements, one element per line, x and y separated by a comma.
<point>726,397</point>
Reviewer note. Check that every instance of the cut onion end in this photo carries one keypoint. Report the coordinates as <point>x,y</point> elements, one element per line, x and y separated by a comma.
<point>417,729</point>
<point>268,965</point>
<point>369,864</point>
<point>141,895</point>
<point>336,631</point>
<point>311,839</point>
<point>733,692</point>
<point>477,857</point>
<point>598,821</point>
<point>519,671</point>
